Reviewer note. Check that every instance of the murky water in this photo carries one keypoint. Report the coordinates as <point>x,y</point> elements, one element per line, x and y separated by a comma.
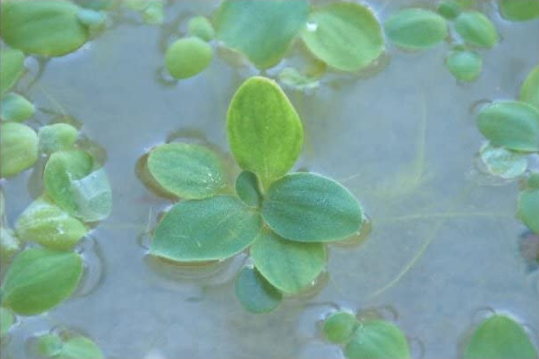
<point>444,242</point>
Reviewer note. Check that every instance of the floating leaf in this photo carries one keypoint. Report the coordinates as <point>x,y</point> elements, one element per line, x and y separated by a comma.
<point>416,29</point>
<point>77,347</point>
<point>511,124</point>
<point>57,137</point>
<point>152,11</point>
<point>503,163</point>
<point>93,196</point>
<point>201,27</point>
<point>289,76</point>
<point>288,266</point>
<point>16,108</point>
<point>528,208</point>
<point>306,207</point>
<point>521,10</point>
<point>9,244</point>
<point>499,337</point>
<point>533,180</point>
<point>47,28</point>
<point>262,30</point>
<point>345,35</point>
<point>188,57</point>
<point>529,92</point>
<point>248,189</point>
<point>464,65</point>
<point>6,320</point>
<point>187,170</point>
<point>94,20</point>
<point>255,293</point>
<point>40,279</point>
<point>264,131</point>
<point>377,339</point>
<point>11,67</point>
<point>449,9</point>
<point>18,148</point>
<point>339,327</point>
<point>44,223</point>
<point>210,229</point>
<point>476,29</point>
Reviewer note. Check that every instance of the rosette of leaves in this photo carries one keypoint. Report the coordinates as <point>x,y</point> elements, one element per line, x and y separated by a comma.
<point>285,220</point>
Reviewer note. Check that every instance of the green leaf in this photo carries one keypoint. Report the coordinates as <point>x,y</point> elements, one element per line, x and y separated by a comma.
<point>210,229</point>
<point>528,208</point>
<point>503,163</point>
<point>533,180</point>
<point>511,124</point>
<point>248,189</point>
<point>288,266</point>
<point>476,29</point>
<point>290,77</point>
<point>416,29</point>
<point>345,35</point>
<point>18,148</point>
<point>187,170</point>
<point>77,347</point>
<point>521,10</point>
<point>16,108</point>
<point>44,223</point>
<point>377,339</point>
<point>264,130</point>
<point>529,92</point>
<point>262,30</point>
<point>9,244</point>
<point>201,27</point>
<point>499,337</point>
<point>11,66</point>
<point>306,207</point>
<point>94,20</point>
<point>47,28</point>
<point>6,319</point>
<point>464,65</point>
<point>96,4</point>
<point>40,279</point>
<point>151,10</point>
<point>93,196</point>
<point>57,137</point>
<point>449,9</point>
<point>339,327</point>
<point>188,57</point>
<point>254,292</point>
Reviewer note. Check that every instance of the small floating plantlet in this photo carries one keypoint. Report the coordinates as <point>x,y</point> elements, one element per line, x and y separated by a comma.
<point>476,29</point>
<point>284,220</point>
<point>74,346</point>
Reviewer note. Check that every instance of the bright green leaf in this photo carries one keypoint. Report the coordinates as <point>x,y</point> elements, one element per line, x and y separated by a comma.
<point>47,28</point>
<point>44,223</point>
<point>18,148</point>
<point>40,279</point>
<point>14,107</point>
<point>6,319</point>
<point>339,327</point>
<point>377,339</point>
<point>416,29</point>
<point>201,27</point>
<point>11,67</point>
<point>188,57</point>
<point>187,170</point>
<point>247,189</point>
<point>464,65</point>
<point>77,347</point>
<point>449,9</point>
<point>9,244</point>
<point>511,124</point>
<point>306,207</point>
<point>288,266</point>
<point>476,29</point>
<point>499,337</point>
<point>503,163</point>
<point>57,137</point>
<point>345,35</point>
<point>529,92</point>
<point>520,10</point>
<point>255,293</point>
<point>264,130</point>
<point>203,230</point>
<point>528,208</point>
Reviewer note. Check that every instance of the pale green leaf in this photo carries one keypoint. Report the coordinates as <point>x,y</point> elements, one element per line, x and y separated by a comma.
<point>449,9</point>
<point>40,279</point>
<point>377,339</point>
<point>345,35</point>
<point>529,92</point>
<point>93,196</point>
<point>306,207</point>
<point>264,130</point>
<point>519,10</point>
<point>188,57</point>
<point>203,230</point>
<point>151,10</point>
<point>11,67</point>
<point>57,137</point>
<point>339,327</point>
<point>476,29</point>
<point>500,337</point>
<point>15,107</point>
<point>255,293</point>
<point>288,266</point>
<point>9,244</point>
<point>77,347</point>
<point>503,163</point>
<point>201,27</point>
<point>187,170</point>
<point>290,77</point>
<point>6,320</point>
<point>528,208</point>
<point>416,29</point>
<point>262,30</point>
<point>464,65</point>
<point>248,189</point>
<point>18,148</point>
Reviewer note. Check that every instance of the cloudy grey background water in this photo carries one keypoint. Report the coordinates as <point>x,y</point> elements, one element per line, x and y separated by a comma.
<point>403,140</point>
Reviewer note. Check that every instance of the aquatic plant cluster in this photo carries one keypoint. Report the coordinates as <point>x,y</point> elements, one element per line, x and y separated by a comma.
<point>283,221</point>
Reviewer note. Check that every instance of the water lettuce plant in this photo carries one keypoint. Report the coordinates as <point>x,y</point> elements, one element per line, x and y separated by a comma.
<point>187,57</point>
<point>74,346</point>
<point>465,65</point>
<point>283,219</point>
